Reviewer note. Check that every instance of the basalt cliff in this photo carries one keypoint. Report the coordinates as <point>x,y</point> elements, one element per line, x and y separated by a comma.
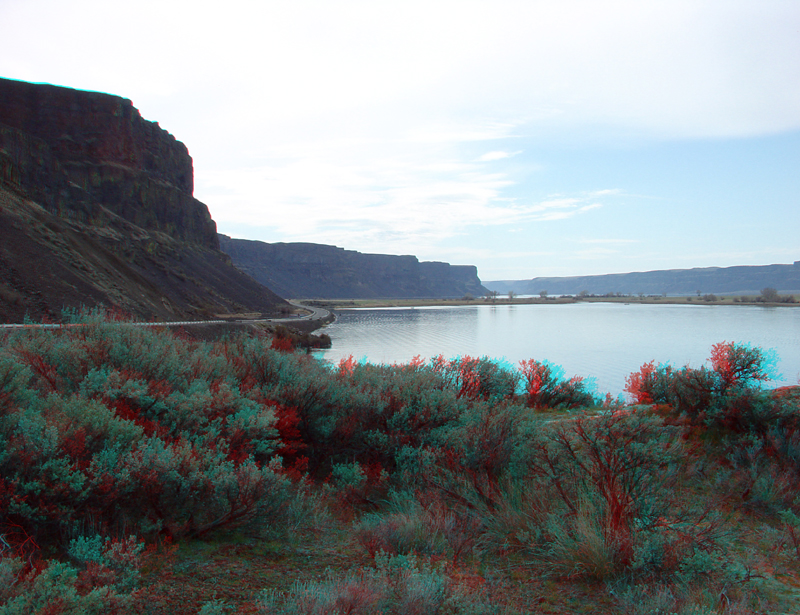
<point>307,270</point>
<point>96,207</point>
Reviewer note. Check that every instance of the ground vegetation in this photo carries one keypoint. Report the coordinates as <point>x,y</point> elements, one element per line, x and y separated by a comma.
<point>142,471</point>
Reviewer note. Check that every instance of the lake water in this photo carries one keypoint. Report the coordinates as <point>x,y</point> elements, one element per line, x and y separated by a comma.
<point>604,341</point>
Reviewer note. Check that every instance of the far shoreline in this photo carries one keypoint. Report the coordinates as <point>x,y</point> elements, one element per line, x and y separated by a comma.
<point>351,304</point>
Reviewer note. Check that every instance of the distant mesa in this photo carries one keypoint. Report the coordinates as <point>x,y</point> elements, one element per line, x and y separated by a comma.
<point>96,207</point>
<point>308,270</point>
<point>731,280</point>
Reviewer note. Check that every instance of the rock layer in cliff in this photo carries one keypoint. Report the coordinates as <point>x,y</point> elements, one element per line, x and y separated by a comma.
<point>76,152</point>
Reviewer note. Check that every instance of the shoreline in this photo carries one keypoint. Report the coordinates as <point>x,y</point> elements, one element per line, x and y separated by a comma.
<point>350,304</point>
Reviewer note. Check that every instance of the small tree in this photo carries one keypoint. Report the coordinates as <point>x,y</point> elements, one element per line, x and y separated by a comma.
<point>740,365</point>
<point>726,395</point>
<point>543,294</point>
<point>770,295</point>
<point>545,387</point>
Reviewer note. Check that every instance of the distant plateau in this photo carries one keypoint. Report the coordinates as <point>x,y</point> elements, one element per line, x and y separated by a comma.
<point>740,280</point>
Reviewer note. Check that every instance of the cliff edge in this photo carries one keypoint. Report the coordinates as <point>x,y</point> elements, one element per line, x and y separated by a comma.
<point>74,151</point>
<point>96,207</point>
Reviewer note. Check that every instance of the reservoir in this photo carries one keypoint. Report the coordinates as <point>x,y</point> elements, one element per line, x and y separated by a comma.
<point>602,341</point>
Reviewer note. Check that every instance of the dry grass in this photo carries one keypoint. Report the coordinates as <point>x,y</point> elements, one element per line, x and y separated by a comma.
<point>237,571</point>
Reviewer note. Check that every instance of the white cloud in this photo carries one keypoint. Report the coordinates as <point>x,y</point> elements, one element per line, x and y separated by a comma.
<point>561,208</point>
<point>443,133</point>
<point>497,155</point>
<point>596,252</point>
<point>403,200</point>
<point>609,241</point>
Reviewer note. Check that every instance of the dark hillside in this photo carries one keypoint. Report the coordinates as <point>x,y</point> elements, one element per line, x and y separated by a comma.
<point>48,263</point>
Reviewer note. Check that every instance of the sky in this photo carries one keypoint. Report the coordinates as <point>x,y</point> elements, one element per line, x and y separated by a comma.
<point>534,138</point>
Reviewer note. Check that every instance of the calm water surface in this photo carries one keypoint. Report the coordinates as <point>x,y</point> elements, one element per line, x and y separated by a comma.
<point>604,341</point>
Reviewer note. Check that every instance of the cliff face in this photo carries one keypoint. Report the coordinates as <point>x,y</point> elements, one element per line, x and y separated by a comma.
<point>741,279</point>
<point>96,207</point>
<point>446,280</point>
<point>307,270</point>
<point>75,152</point>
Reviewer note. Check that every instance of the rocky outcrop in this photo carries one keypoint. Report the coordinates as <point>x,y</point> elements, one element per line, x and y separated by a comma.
<point>79,154</point>
<point>741,279</point>
<point>307,270</point>
<point>96,207</point>
<point>446,280</point>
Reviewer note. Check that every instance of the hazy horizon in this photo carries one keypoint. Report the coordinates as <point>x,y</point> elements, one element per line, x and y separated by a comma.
<point>530,139</point>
